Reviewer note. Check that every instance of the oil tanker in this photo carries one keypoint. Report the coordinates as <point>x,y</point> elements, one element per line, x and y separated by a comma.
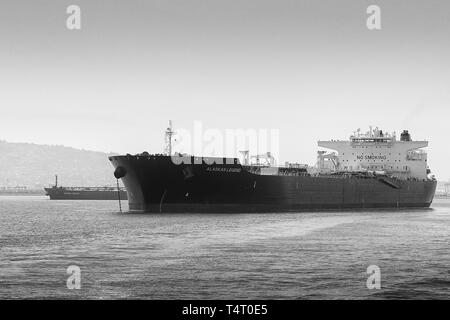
<point>369,170</point>
<point>56,192</point>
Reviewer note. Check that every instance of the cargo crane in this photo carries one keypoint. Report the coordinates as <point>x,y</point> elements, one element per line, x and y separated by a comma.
<point>322,156</point>
<point>267,157</point>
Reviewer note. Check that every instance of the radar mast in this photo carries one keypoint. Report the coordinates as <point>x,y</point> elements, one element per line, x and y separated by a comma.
<point>168,139</point>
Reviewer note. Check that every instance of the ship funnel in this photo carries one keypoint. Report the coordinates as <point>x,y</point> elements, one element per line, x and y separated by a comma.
<point>405,136</point>
<point>120,172</point>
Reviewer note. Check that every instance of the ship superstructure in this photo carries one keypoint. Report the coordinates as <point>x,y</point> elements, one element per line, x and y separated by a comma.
<point>376,151</point>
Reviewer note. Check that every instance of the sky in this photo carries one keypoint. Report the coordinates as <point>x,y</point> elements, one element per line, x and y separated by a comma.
<point>310,69</point>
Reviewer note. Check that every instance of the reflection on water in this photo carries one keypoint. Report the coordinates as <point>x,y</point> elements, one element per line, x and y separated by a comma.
<point>237,256</point>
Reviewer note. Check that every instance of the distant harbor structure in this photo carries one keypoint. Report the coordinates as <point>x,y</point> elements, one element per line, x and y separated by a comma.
<point>444,193</point>
<point>19,191</point>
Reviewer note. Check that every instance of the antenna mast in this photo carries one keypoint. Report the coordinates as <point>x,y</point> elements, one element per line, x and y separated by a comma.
<point>245,155</point>
<point>169,134</point>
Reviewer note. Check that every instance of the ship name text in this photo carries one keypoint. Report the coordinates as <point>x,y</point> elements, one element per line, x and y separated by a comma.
<point>223,169</point>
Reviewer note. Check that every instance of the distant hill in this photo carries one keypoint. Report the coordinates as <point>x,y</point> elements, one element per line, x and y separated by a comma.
<point>35,166</point>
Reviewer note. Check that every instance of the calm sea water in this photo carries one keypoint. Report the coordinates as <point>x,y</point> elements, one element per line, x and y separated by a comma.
<point>234,256</point>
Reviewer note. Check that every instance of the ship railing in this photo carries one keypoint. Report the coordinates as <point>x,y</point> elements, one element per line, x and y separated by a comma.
<point>374,140</point>
<point>92,188</point>
<point>278,171</point>
<point>375,133</point>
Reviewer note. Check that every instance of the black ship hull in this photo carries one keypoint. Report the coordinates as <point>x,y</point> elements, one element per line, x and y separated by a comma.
<point>61,193</point>
<point>156,184</point>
